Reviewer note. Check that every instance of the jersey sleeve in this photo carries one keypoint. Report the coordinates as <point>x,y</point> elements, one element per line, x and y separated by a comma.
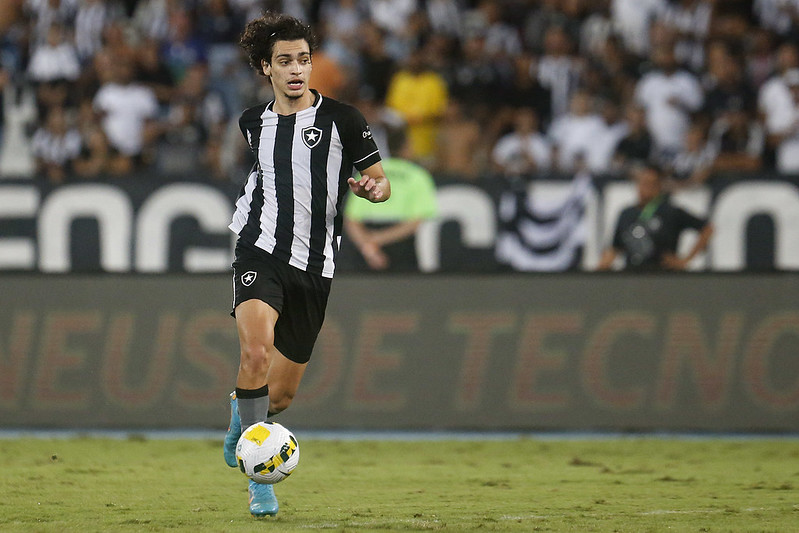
<point>357,140</point>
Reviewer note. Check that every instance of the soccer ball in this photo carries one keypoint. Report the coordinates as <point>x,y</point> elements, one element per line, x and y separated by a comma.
<point>267,452</point>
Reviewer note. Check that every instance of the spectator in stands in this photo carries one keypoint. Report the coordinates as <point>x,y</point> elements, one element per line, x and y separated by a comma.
<point>341,22</point>
<point>445,17</point>
<point>759,56</point>
<point>631,19</point>
<point>376,67</point>
<point>90,20</point>
<point>726,85</point>
<point>738,138</point>
<point>219,25</point>
<point>420,96</point>
<point>93,158</point>
<point>151,18</point>
<point>45,13</point>
<point>616,128</point>
<point>575,135</point>
<point>473,75</point>
<point>548,14</point>
<point>774,98</point>
<point>635,147</point>
<point>128,111</point>
<point>784,128</point>
<point>559,69</point>
<point>55,145</point>
<point>615,71</point>
<point>116,42</point>
<point>501,39</point>
<point>690,20</point>
<point>596,29</point>
<point>525,89</point>
<point>152,71</point>
<point>196,123</point>
<point>779,16</point>
<point>693,164</point>
<point>385,239</point>
<point>54,67</point>
<point>462,147</point>
<point>392,15</point>
<point>648,232</point>
<point>525,151</point>
<point>669,96</point>
<point>183,47</point>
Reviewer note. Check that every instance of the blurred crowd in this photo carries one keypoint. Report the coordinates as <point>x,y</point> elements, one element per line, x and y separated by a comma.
<point>516,87</point>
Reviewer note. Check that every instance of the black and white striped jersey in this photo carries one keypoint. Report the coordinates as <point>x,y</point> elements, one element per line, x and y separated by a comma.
<point>290,205</point>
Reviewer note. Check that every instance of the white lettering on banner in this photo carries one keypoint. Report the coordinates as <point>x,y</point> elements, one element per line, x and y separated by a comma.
<point>20,201</point>
<point>735,207</point>
<point>472,208</point>
<point>212,210</point>
<point>109,206</point>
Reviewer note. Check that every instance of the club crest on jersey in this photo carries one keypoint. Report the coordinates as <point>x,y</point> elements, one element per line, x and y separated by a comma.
<point>311,136</point>
<point>248,277</point>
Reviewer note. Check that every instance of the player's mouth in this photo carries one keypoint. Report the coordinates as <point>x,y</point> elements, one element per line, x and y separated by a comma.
<point>295,85</point>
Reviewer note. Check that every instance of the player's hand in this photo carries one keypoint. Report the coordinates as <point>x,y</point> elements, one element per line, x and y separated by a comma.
<point>366,187</point>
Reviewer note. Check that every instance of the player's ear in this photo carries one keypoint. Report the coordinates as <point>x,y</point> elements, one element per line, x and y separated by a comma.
<point>266,67</point>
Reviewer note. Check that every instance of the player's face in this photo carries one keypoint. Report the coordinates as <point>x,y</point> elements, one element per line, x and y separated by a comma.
<point>290,69</point>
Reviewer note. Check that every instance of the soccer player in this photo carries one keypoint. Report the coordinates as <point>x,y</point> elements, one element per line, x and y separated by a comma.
<point>288,220</point>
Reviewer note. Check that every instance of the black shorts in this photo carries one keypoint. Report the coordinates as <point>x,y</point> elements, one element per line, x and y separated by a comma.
<point>298,296</point>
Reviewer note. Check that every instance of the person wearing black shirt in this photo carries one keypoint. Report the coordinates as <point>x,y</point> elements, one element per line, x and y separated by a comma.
<point>647,232</point>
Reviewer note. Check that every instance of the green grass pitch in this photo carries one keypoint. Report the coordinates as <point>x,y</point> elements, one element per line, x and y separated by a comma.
<point>525,484</point>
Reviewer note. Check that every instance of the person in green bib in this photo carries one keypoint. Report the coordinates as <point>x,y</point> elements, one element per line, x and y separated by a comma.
<point>385,239</point>
<point>647,233</point>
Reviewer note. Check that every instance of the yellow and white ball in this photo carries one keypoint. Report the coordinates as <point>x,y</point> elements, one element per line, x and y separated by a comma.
<point>267,452</point>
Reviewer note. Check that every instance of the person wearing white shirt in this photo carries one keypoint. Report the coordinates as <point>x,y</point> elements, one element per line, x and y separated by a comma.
<point>631,20</point>
<point>525,150</point>
<point>784,128</point>
<point>127,110</point>
<point>774,99</point>
<point>54,60</point>
<point>669,96</point>
<point>575,135</point>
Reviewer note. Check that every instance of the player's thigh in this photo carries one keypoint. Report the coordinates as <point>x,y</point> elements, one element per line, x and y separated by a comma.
<point>255,322</point>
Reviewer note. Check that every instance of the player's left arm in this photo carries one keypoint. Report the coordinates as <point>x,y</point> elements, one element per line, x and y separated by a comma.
<point>372,185</point>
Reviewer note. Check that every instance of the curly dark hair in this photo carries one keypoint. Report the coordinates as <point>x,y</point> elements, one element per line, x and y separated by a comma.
<point>260,36</point>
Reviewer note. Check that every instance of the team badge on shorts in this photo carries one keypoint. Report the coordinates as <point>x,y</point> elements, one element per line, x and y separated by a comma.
<point>311,136</point>
<point>248,278</point>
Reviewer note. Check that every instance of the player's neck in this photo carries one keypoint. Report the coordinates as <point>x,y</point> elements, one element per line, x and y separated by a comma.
<point>288,106</point>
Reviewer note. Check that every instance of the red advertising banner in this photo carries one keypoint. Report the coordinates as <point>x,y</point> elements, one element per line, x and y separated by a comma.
<point>703,352</point>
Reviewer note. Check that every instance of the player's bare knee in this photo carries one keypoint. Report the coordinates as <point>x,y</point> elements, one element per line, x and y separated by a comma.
<point>254,358</point>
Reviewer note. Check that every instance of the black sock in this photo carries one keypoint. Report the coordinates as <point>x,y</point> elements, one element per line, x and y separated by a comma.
<point>253,405</point>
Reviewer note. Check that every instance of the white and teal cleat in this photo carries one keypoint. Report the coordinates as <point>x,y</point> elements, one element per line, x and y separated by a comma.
<point>263,501</point>
<point>233,433</point>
